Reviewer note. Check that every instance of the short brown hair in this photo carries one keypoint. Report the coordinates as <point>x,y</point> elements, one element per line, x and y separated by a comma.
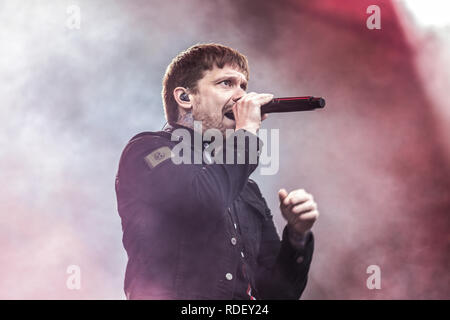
<point>188,67</point>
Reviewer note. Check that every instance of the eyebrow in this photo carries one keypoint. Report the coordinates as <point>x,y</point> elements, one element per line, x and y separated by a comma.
<point>234,77</point>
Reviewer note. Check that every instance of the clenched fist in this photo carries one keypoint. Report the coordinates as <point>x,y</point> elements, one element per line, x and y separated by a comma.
<point>299,209</point>
<point>247,111</point>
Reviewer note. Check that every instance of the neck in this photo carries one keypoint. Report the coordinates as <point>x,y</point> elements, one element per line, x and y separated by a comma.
<point>186,119</point>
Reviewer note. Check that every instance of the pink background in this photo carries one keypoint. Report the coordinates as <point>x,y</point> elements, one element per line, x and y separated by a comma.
<point>377,159</point>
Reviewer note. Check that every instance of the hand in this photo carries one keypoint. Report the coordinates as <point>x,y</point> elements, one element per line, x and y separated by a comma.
<point>299,209</point>
<point>247,111</point>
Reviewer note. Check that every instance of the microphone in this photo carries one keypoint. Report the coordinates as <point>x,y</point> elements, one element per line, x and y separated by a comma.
<point>291,104</point>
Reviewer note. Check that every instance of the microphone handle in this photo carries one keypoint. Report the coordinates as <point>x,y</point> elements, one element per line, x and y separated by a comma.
<point>292,104</point>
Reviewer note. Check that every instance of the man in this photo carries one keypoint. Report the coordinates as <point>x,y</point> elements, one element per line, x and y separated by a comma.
<point>203,230</point>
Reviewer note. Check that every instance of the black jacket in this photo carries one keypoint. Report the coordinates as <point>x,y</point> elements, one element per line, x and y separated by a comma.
<point>201,231</point>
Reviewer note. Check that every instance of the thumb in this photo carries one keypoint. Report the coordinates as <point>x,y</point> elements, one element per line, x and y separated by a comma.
<point>282,193</point>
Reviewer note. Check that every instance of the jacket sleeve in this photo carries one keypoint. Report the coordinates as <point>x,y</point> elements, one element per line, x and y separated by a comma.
<point>282,270</point>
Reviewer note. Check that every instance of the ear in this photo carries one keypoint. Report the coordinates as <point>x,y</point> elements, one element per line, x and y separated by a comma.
<point>177,92</point>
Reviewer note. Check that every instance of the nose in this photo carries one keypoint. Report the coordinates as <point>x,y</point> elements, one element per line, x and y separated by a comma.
<point>238,95</point>
<point>236,99</point>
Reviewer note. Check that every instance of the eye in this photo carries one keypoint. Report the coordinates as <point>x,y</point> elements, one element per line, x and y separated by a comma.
<point>228,83</point>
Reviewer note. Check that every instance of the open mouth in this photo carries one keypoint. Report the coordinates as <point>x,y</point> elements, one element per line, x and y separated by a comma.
<point>229,115</point>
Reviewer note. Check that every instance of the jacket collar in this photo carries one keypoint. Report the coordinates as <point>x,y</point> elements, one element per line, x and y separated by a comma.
<point>194,135</point>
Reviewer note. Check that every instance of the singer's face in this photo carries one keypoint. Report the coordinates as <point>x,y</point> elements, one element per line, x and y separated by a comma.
<point>216,93</point>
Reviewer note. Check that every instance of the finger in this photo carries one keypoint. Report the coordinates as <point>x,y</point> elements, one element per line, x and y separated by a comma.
<point>264,98</point>
<point>282,193</point>
<point>247,96</point>
<point>300,196</point>
<point>264,117</point>
<point>265,95</point>
<point>259,98</point>
<point>296,197</point>
<point>287,199</point>
<point>310,216</point>
<point>304,207</point>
